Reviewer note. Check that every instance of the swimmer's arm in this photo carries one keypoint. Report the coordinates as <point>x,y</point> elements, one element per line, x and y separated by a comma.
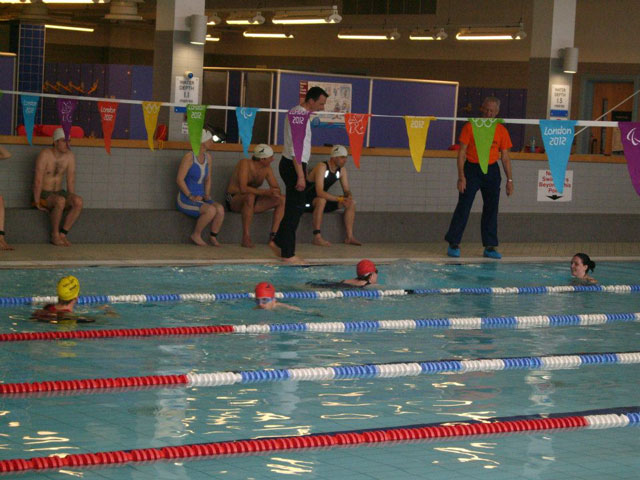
<point>289,307</point>
<point>4,153</point>
<point>71,174</point>
<point>41,164</point>
<point>271,180</point>
<point>207,182</point>
<point>344,181</point>
<point>182,173</point>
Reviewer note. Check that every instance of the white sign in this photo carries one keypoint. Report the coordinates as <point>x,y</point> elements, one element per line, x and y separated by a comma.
<point>339,100</point>
<point>185,128</point>
<point>547,191</point>
<point>560,99</point>
<point>187,90</point>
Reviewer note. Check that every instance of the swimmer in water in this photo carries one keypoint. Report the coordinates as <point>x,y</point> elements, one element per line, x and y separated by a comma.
<point>266,298</point>
<point>581,265</point>
<point>367,274</point>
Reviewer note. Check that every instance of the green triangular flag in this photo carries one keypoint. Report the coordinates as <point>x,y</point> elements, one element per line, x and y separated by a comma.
<point>483,132</point>
<point>195,122</point>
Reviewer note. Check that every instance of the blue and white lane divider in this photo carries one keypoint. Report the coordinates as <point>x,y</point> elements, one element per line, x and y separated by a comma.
<point>323,294</point>
<point>468,323</point>
<point>387,370</point>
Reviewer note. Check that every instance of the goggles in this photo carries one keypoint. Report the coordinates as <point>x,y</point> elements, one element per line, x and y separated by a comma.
<point>264,300</point>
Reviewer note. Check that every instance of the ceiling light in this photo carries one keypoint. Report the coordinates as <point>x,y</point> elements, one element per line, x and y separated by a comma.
<point>369,34</point>
<point>214,19</point>
<point>198,29</point>
<point>428,34</point>
<point>212,38</point>
<point>307,17</point>
<point>123,10</point>
<point>265,34</point>
<point>69,1</point>
<point>570,63</point>
<point>69,27</point>
<point>488,33</point>
<point>520,34</point>
<point>245,19</point>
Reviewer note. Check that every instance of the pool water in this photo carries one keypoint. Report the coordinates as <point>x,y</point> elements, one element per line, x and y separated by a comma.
<point>89,422</point>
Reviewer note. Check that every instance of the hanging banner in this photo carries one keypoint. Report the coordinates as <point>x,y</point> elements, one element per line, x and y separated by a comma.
<point>195,122</point>
<point>29,107</point>
<point>298,123</point>
<point>66,107</point>
<point>630,133</point>
<point>245,116</point>
<point>417,129</point>
<point>150,112</point>
<point>484,130</point>
<point>557,136</point>
<point>356,125</point>
<point>108,111</point>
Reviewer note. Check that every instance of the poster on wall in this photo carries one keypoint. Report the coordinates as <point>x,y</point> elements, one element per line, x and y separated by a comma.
<point>560,98</point>
<point>339,101</point>
<point>186,92</point>
<point>547,191</point>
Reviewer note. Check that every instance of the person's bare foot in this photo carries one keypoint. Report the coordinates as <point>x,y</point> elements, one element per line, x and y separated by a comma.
<point>4,245</point>
<point>275,249</point>
<point>295,260</point>
<point>197,239</point>
<point>214,241</point>
<point>58,241</point>
<point>321,242</point>
<point>66,241</point>
<point>246,242</point>
<point>352,241</point>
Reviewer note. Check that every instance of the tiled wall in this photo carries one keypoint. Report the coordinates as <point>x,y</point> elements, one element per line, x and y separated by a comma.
<point>142,179</point>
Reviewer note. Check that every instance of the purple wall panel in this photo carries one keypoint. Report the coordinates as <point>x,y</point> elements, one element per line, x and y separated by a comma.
<point>118,81</point>
<point>141,89</point>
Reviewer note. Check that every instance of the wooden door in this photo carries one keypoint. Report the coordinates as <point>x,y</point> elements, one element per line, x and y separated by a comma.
<point>607,95</point>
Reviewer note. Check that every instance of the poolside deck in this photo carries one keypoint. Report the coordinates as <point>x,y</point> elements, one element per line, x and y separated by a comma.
<point>45,255</point>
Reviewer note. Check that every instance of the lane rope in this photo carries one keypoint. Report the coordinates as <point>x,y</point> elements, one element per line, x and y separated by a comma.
<point>323,294</point>
<point>594,419</point>
<point>466,323</point>
<point>379,370</point>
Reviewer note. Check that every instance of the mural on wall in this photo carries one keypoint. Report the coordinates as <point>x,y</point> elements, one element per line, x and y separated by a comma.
<point>339,101</point>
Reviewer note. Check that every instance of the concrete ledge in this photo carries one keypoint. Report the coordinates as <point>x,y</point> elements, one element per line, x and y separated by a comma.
<point>113,226</point>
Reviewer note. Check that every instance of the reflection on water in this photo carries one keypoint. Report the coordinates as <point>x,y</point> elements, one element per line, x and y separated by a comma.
<point>289,466</point>
<point>467,455</point>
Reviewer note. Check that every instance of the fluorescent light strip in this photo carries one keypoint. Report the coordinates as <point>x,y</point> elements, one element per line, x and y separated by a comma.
<point>266,35</point>
<point>421,37</point>
<point>65,27</point>
<point>467,36</point>
<point>212,39</point>
<point>299,21</point>
<point>356,36</point>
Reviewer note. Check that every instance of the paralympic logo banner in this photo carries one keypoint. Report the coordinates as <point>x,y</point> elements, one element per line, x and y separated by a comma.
<point>356,126</point>
<point>630,133</point>
<point>108,111</point>
<point>195,122</point>
<point>417,129</point>
<point>29,107</point>
<point>557,136</point>
<point>150,112</point>
<point>484,130</point>
<point>66,107</point>
<point>298,123</point>
<point>245,116</point>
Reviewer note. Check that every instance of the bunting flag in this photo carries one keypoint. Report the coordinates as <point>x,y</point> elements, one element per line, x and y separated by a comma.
<point>29,107</point>
<point>557,136</point>
<point>245,116</point>
<point>630,133</point>
<point>150,112</point>
<point>356,125</point>
<point>66,107</point>
<point>195,122</point>
<point>298,123</point>
<point>108,111</point>
<point>483,133</point>
<point>417,129</point>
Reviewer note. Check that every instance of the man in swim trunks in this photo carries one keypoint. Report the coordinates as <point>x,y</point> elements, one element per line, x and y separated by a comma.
<point>52,166</point>
<point>319,200</point>
<point>244,195</point>
<point>4,154</point>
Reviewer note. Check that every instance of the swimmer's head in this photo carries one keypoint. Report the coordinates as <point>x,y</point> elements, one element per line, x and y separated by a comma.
<point>581,264</point>
<point>58,134</point>
<point>68,289</point>
<point>263,151</point>
<point>265,294</point>
<point>206,136</point>
<point>339,154</point>
<point>366,269</point>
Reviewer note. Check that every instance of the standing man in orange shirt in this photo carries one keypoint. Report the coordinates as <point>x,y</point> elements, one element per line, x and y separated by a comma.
<point>471,179</point>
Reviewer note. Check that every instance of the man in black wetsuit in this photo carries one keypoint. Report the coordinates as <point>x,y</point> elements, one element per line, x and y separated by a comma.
<point>319,200</point>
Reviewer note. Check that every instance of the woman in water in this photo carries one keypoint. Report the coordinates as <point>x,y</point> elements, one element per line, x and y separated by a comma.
<point>581,265</point>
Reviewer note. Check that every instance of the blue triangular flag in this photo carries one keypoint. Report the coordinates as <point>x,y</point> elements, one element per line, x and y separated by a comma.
<point>557,136</point>
<point>246,116</point>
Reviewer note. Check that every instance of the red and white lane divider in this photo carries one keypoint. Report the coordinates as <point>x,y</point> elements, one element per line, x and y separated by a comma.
<point>611,418</point>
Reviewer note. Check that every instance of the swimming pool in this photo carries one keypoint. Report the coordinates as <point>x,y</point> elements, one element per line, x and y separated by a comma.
<point>65,424</point>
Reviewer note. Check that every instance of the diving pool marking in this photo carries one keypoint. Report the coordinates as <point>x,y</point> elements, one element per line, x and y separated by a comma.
<point>380,370</point>
<point>469,323</point>
<point>592,419</point>
<point>323,294</point>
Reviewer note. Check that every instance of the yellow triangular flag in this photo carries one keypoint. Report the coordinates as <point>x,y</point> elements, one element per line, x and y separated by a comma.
<point>150,111</point>
<point>417,128</point>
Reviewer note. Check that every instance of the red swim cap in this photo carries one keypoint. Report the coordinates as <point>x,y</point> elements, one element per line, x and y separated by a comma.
<point>265,290</point>
<point>365,267</point>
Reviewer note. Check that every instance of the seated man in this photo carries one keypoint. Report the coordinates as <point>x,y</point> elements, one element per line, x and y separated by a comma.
<point>320,179</point>
<point>52,166</point>
<point>244,196</point>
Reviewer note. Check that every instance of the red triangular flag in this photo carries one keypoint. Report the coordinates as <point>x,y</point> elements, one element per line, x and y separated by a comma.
<point>108,112</point>
<point>356,126</point>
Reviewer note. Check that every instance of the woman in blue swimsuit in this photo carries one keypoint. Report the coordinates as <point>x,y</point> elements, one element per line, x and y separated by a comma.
<point>194,197</point>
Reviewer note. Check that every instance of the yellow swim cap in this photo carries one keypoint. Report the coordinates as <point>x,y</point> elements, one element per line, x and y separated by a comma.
<point>68,288</point>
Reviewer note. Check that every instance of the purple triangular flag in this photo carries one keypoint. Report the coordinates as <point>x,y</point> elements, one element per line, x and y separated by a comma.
<point>630,134</point>
<point>298,123</point>
<point>66,107</point>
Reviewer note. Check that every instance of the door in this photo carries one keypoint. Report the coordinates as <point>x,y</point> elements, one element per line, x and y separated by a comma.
<point>606,96</point>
